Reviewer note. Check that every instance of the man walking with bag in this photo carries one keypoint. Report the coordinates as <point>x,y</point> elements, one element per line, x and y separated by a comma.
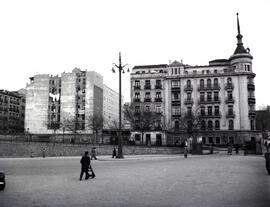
<point>85,166</point>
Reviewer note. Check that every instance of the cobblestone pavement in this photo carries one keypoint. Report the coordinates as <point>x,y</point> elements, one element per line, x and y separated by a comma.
<point>215,180</point>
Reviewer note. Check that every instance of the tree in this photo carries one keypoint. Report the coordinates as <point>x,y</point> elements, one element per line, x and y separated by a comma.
<point>95,122</point>
<point>71,124</point>
<point>142,120</point>
<point>191,123</point>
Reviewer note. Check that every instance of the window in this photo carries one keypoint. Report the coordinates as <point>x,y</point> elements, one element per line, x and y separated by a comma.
<point>215,82</point>
<point>137,137</point>
<point>175,84</point>
<point>252,125</point>
<point>194,71</point>
<point>137,95</point>
<point>189,111</point>
<point>158,94</point>
<point>217,140</point>
<point>229,81</point>
<point>215,71</point>
<point>203,140</point>
<point>176,125</point>
<point>203,127</point>
<point>231,127</point>
<point>230,97</point>
<point>188,83</point>
<point>147,108</point>
<point>207,71</point>
<point>188,96</point>
<point>216,110</point>
<point>201,83</point>
<point>147,95</point>
<point>172,71</point>
<point>137,109</point>
<point>175,70</point>
<point>202,110</point>
<point>158,109</point>
<point>209,96</point>
<point>217,125</point>
<point>175,96</point>
<point>137,83</point>
<point>230,110</point>
<point>209,83</point>
<point>202,96</point>
<point>210,125</point>
<point>209,108</point>
<point>210,140</point>
<point>176,110</point>
<point>216,96</point>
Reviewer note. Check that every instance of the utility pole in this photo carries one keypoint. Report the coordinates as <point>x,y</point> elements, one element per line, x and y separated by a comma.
<point>120,140</point>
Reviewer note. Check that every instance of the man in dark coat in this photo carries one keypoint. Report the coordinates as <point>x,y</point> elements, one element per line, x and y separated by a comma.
<point>85,164</point>
<point>267,162</point>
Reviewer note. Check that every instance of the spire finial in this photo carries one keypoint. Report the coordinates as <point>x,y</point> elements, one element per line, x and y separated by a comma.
<point>238,25</point>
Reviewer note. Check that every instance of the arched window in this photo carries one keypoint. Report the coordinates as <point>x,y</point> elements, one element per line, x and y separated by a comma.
<point>210,125</point>
<point>231,127</point>
<point>229,81</point>
<point>188,83</point>
<point>176,125</point>
<point>201,83</point>
<point>217,126</point>
<point>215,82</point>
<point>203,125</point>
<point>209,83</point>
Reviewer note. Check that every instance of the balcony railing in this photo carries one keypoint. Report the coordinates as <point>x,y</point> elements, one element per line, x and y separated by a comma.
<point>229,86</point>
<point>158,99</point>
<point>251,113</point>
<point>189,102</point>
<point>147,99</point>
<point>216,87</point>
<point>251,100</point>
<point>176,115</point>
<point>251,86</point>
<point>188,88</point>
<point>137,87</point>
<point>136,100</point>
<point>175,101</point>
<point>158,86</point>
<point>229,101</point>
<point>175,87</point>
<point>212,115</point>
<point>147,87</point>
<point>209,101</point>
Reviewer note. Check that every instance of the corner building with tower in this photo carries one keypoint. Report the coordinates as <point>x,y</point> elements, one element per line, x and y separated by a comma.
<point>223,94</point>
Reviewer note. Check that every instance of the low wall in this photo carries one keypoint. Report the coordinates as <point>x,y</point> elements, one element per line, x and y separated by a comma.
<point>25,149</point>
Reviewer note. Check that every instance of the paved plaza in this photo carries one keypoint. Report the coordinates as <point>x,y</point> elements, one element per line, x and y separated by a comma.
<point>215,180</point>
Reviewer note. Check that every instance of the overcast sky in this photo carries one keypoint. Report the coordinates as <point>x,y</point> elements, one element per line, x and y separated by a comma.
<point>53,36</point>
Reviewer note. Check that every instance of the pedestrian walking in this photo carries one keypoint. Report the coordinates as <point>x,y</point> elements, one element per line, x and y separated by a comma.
<point>114,153</point>
<point>185,149</point>
<point>229,149</point>
<point>85,164</point>
<point>236,148</point>
<point>93,153</point>
<point>211,147</point>
<point>267,161</point>
<point>43,152</point>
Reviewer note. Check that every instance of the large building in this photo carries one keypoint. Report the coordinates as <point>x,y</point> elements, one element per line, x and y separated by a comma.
<point>51,101</point>
<point>12,111</point>
<point>221,93</point>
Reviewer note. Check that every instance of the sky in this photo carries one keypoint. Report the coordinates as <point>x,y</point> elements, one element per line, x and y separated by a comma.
<point>53,36</point>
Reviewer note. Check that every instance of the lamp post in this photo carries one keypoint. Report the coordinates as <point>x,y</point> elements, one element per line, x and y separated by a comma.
<point>120,70</point>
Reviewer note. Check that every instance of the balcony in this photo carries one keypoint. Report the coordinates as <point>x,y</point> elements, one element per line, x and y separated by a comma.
<point>158,86</point>
<point>229,86</point>
<point>251,100</point>
<point>216,87</point>
<point>175,87</point>
<point>251,113</point>
<point>251,86</point>
<point>229,101</point>
<point>211,115</point>
<point>147,99</point>
<point>188,102</point>
<point>230,115</point>
<point>176,115</point>
<point>176,101</point>
<point>138,87</point>
<point>159,99</point>
<point>188,88</point>
<point>201,88</point>
<point>146,87</point>
<point>136,100</point>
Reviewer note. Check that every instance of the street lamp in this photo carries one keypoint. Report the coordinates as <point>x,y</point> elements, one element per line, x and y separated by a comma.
<point>120,70</point>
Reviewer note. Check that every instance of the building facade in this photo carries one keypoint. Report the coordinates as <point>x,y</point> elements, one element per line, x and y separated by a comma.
<point>12,112</point>
<point>221,95</point>
<point>53,101</point>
